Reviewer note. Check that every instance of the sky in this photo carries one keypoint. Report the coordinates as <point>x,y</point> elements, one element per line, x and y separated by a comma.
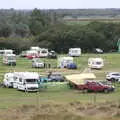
<point>58,4</point>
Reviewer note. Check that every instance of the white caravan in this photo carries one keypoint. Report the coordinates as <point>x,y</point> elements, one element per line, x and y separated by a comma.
<point>27,81</point>
<point>8,80</point>
<point>64,61</point>
<point>31,53</point>
<point>96,63</point>
<point>43,52</point>
<point>6,51</point>
<point>9,59</point>
<point>75,52</point>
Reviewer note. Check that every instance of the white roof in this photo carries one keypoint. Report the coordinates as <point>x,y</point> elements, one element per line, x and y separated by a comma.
<point>10,55</point>
<point>96,59</point>
<point>27,75</point>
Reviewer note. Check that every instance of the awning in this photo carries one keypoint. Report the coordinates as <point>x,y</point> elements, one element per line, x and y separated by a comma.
<point>80,78</point>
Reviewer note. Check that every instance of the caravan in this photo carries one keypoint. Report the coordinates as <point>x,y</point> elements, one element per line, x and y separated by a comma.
<point>96,63</point>
<point>43,52</point>
<point>9,59</point>
<point>6,51</point>
<point>8,80</point>
<point>66,62</point>
<point>75,52</point>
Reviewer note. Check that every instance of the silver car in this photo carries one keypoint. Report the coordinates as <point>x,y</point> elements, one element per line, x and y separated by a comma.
<point>113,76</point>
<point>37,63</point>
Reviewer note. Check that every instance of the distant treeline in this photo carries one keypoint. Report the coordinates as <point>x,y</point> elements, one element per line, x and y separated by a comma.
<point>20,29</point>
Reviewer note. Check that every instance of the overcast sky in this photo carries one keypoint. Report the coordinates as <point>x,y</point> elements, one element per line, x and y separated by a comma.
<point>55,4</point>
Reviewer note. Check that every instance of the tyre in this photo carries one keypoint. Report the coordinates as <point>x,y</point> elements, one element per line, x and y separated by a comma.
<point>106,91</point>
<point>84,90</point>
<point>112,80</point>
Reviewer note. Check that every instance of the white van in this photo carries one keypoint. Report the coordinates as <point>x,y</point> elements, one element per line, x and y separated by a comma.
<point>27,81</point>
<point>75,52</point>
<point>96,63</point>
<point>9,59</point>
<point>6,51</point>
<point>8,80</point>
<point>64,61</point>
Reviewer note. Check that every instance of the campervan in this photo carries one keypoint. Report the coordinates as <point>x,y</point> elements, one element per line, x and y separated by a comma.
<point>6,51</point>
<point>64,61</point>
<point>8,80</point>
<point>9,59</point>
<point>27,81</point>
<point>96,63</point>
<point>75,52</point>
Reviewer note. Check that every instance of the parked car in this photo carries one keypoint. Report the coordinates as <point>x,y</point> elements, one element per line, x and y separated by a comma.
<point>37,63</point>
<point>98,50</point>
<point>113,76</point>
<point>55,77</point>
<point>96,86</point>
<point>52,54</point>
<point>43,79</point>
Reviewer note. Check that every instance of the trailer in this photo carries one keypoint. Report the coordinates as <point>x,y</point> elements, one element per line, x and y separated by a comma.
<point>74,52</point>
<point>95,63</point>
<point>9,59</point>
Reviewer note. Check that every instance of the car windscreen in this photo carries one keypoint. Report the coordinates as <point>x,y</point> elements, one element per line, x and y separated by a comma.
<point>31,81</point>
<point>98,63</point>
<point>116,74</point>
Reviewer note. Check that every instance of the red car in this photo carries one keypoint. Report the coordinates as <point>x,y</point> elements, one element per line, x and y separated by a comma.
<point>95,86</point>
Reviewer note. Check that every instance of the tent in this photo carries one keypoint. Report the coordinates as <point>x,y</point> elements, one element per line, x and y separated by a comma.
<point>80,78</point>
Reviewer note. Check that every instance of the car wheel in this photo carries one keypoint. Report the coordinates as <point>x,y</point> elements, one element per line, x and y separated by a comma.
<point>112,80</point>
<point>84,90</point>
<point>106,91</point>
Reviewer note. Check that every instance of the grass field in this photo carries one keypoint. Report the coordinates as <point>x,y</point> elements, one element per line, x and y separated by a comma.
<point>60,95</point>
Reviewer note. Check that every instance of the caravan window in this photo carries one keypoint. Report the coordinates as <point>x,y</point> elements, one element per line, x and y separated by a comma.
<point>74,51</point>
<point>31,81</point>
<point>20,79</point>
<point>98,63</point>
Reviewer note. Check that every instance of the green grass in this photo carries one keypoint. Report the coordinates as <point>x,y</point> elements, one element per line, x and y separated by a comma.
<point>59,93</point>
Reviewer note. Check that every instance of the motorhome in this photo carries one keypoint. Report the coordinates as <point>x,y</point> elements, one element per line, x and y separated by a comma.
<point>64,61</point>
<point>27,81</point>
<point>9,59</point>
<point>8,80</point>
<point>6,51</point>
<point>75,52</point>
<point>96,63</point>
